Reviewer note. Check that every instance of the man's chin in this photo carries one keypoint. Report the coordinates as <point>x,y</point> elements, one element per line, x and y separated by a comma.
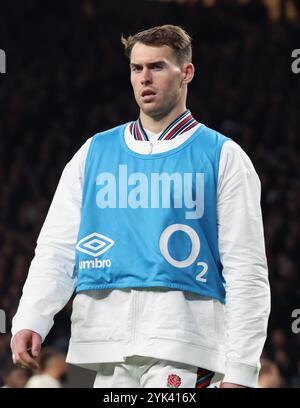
<point>150,110</point>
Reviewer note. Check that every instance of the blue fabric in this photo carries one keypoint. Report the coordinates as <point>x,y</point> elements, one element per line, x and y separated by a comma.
<point>150,220</point>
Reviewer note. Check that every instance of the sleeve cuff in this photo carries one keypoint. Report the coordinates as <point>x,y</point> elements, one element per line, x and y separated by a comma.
<point>242,374</point>
<point>37,325</point>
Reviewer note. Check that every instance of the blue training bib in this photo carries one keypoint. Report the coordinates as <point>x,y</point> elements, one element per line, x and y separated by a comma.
<point>150,220</point>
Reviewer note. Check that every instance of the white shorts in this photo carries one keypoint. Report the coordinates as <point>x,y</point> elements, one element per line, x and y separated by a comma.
<point>148,372</point>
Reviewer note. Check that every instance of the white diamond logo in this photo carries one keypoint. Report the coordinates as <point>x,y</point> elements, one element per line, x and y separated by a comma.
<point>94,244</point>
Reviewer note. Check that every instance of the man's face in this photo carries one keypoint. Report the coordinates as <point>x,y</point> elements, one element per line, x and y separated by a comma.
<point>156,79</point>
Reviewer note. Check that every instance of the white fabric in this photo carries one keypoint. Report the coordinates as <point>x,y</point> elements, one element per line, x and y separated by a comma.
<point>109,325</point>
<point>152,136</point>
<point>147,372</point>
<point>42,381</point>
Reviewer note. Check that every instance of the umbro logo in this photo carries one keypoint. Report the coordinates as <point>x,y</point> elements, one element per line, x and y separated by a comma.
<point>94,244</point>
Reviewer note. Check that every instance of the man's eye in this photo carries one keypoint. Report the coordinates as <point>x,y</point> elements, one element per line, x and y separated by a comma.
<point>157,66</point>
<point>135,69</point>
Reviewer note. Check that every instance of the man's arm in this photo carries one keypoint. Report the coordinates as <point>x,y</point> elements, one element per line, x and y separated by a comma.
<point>51,279</point>
<point>242,252</point>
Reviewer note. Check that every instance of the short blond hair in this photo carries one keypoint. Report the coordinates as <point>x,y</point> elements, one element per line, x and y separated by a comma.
<point>173,36</point>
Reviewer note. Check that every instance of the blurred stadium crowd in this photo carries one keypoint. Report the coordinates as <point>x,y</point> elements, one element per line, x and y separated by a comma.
<point>67,78</point>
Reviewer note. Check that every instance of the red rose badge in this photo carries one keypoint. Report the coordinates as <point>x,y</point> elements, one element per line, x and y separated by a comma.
<point>174,381</point>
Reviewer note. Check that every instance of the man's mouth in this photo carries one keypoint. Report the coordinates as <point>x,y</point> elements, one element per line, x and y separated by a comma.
<point>147,95</point>
<point>147,92</point>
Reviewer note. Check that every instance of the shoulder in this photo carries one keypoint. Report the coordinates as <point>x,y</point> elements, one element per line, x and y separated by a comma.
<point>232,155</point>
<point>77,162</point>
<point>236,168</point>
<point>107,134</point>
<point>81,155</point>
<point>213,135</point>
<point>210,141</point>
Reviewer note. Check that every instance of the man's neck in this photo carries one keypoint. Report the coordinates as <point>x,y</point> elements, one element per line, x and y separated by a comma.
<point>157,125</point>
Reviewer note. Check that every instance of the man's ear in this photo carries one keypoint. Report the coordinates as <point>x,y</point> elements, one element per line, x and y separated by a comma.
<point>188,72</point>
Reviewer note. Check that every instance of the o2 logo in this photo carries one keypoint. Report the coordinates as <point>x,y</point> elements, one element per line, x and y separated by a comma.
<point>163,245</point>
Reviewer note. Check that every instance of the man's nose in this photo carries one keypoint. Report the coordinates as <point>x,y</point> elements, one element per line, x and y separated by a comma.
<point>146,77</point>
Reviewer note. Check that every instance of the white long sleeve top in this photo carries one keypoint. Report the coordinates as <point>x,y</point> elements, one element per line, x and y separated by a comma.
<point>109,325</point>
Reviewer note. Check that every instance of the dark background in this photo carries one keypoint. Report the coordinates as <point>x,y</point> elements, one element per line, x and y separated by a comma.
<point>67,78</point>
